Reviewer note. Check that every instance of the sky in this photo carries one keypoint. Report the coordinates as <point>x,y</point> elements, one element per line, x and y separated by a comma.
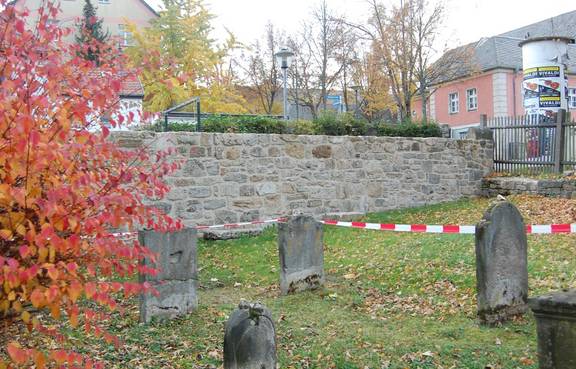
<point>465,21</point>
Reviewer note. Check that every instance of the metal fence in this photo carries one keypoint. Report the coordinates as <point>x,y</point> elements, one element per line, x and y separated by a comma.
<point>189,113</point>
<point>533,144</point>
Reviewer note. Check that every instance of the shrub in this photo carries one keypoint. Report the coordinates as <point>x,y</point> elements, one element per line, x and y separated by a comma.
<point>332,124</point>
<point>63,187</point>
<point>302,127</point>
<point>408,130</point>
<point>246,124</point>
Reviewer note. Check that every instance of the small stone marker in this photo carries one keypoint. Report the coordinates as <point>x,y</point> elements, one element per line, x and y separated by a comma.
<point>250,338</point>
<point>501,264</point>
<point>177,281</point>
<point>300,244</point>
<point>556,323</point>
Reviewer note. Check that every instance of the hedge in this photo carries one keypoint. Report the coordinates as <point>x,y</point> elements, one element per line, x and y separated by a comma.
<point>329,123</point>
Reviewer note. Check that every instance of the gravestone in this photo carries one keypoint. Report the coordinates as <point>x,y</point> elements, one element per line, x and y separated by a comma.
<point>501,264</point>
<point>250,338</point>
<point>556,324</point>
<point>176,281</point>
<point>301,249</point>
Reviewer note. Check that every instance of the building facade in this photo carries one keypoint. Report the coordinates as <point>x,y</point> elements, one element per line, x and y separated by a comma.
<point>492,83</point>
<point>116,14</point>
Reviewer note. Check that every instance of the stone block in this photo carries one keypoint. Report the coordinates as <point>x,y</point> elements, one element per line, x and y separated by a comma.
<point>322,152</point>
<point>301,249</point>
<point>176,282</point>
<point>501,264</point>
<point>250,338</point>
<point>175,298</point>
<point>556,326</point>
<point>200,192</point>
<point>176,254</point>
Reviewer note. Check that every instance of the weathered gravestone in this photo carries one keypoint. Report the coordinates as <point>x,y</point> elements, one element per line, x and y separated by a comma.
<point>300,245</point>
<point>556,321</point>
<point>176,282</point>
<point>250,338</point>
<point>501,264</point>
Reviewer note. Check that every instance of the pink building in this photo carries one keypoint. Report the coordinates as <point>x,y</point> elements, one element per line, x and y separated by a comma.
<point>491,83</point>
<point>114,13</point>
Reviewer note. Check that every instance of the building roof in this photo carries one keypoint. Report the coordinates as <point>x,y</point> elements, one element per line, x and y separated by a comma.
<point>503,51</point>
<point>132,87</point>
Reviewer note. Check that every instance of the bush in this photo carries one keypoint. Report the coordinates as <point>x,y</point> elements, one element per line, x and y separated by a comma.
<point>247,124</point>
<point>302,127</point>
<point>327,123</point>
<point>332,124</point>
<point>408,130</point>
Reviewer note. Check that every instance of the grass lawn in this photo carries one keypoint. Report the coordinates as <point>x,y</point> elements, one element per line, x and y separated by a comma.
<point>391,300</point>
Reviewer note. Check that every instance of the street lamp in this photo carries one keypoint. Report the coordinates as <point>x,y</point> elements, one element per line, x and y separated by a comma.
<point>356,88</point>
<point>284,58</point>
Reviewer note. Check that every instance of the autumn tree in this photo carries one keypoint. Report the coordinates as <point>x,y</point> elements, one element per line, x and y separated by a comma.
<point>63,187</point>
<point>90,35</point>
<point>318,64</point>
<point>403,38</point>
<point>374,97</point>
<point>186,61</point>
<point>262,74</point>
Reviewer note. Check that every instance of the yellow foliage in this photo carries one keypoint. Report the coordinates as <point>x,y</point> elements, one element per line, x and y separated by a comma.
<point>179,60</point>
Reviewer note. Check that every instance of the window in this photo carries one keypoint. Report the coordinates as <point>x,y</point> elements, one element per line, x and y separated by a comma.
<point>126,38</point>
<point>104,1</point>
<point>472,99</point>
<point>572,98</point>
<point>453,103</point>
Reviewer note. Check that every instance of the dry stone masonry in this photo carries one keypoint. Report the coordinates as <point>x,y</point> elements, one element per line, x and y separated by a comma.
<point>505,186</point>
<point>228,178</point>
<point>301,249</point>
<point>177,280</point>
<point>556,323</point>
<point>501,264</point>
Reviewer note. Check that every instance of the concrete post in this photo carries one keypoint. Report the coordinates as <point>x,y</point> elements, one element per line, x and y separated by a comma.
<point>177,281</point>
<point>556,324</point>
<point>501,264</point>
<point>301,249</point>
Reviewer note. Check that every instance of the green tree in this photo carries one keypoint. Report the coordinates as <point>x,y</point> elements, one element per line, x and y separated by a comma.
<point>183,60</point>
<point>90,34</point>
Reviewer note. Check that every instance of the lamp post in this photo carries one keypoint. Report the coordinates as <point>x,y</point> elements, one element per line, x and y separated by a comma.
<point>356,88</point>
<point>284,58</point>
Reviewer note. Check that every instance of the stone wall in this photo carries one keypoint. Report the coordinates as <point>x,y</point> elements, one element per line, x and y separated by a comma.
<point>242,177</point>
<point>519,185</point>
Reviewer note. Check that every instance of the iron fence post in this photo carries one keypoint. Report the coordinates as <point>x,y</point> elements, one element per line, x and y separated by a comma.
<point>559,144</point>
<point>198,116</point>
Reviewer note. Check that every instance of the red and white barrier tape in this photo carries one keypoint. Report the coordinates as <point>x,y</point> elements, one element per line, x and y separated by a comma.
<point>203,227</point>
<point>456,229</point>
<point>414,228</point>
<point>236,225</point>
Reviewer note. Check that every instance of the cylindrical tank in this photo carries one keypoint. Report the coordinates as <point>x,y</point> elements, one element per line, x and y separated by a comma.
<point>545,85</point>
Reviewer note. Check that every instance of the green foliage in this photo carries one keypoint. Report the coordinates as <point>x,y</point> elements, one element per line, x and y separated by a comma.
<point>90,33</point>
<point>408,130</point>
<point>302,127</point>
<point>244,124</point>
<point>328,123</point>
<point>332,124</point>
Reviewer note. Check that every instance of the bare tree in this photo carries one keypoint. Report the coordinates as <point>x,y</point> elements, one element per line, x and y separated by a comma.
<point>402,42</point>
<point>261,70</point>
<point>320,59</point>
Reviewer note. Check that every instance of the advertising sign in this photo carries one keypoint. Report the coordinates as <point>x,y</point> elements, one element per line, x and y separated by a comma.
<point>544,86</point>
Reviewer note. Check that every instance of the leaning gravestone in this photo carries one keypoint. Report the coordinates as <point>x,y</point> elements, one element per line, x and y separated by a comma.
<point>176,281</point>
<point>556,321</point>
<point>501,264</point>
<point>250,338</point>
<point>300,244</point>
